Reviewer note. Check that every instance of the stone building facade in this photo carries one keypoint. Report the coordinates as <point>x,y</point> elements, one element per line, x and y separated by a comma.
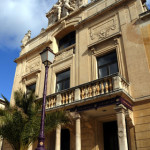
<point>101,73</point>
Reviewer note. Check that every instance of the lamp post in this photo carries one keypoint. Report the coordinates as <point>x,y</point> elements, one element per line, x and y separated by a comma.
<point>47,57</point>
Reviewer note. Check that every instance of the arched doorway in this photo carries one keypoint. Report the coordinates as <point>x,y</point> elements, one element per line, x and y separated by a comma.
<point>65,139</point>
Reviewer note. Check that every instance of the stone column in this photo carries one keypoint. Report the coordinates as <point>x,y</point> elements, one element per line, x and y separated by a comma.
<point>122,134</point>
<point>58,138</point>
<point>78,132</point>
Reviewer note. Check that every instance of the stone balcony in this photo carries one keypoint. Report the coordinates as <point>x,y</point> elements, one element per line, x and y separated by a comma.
<point>89,91</point>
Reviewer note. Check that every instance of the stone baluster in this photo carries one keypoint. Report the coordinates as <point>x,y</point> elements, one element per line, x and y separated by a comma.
<point>97,89</point>
<point>122,134</point>
<point>110,85</point>
<point>63,99</point>
<point>82,93</point>
<point>72,96</point>
<point>94,90</point>
<point>52,102</point>
<point>89,91</point>
<point>102,87</point>
<point>106,86</point>
<point>67,99</point>
<point>86,92</point>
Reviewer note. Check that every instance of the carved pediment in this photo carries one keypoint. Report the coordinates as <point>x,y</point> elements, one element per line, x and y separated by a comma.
<point>63,8</point>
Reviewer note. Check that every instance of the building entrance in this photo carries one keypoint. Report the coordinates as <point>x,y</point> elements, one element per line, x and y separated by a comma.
<point>110,136</point>
<point>65,139</point>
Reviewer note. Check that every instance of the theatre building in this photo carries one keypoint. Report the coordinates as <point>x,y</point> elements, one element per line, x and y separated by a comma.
<point>101,73</point>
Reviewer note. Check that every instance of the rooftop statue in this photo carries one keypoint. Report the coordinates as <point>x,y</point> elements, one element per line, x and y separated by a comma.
<point>26,38</point>
<point>63,8</point>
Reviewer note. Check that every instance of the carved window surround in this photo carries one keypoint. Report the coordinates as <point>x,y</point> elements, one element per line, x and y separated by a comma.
<point>30,79</point>
<point>115,45</point>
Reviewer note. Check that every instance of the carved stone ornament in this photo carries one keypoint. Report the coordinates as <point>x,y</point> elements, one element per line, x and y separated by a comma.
<point>32,65</point>
<point>64,55</point>
<point>63,8</point>
<point>26,38</point>
<point>120,132</point>
<point>104,29</point>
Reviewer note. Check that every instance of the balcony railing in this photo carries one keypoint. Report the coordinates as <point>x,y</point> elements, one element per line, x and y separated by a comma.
<point>91,89</point>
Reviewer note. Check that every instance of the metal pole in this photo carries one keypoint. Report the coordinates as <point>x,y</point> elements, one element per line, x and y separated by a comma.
<point>41,138</point>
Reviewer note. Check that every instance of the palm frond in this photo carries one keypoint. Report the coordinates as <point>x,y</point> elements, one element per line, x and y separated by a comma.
<point>7,103</point>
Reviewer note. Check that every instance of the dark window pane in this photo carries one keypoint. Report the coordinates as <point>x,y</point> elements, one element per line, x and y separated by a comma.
<point>103,72</point>
<point>107,59</point>
<point>63,75</point>
<point>113,68</point>
<point>31,88</point>
<point>67,40</point>
<point>62,80</point>
<point>107,64</point>
<point>66,84</point>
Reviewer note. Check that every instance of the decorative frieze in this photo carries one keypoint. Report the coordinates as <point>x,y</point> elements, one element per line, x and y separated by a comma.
<point>103,30</point>
<point>33,65</point>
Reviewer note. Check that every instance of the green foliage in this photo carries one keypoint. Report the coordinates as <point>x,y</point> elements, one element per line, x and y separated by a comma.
<point>20,124</point>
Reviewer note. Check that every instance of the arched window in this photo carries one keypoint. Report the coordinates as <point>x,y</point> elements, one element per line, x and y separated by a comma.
<point>67,40</point>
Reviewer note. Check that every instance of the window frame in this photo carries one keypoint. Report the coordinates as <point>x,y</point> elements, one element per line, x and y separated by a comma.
<point>27,91</point>
<point>65,39</point>
<point>107,65</point>
<point>62,81</point>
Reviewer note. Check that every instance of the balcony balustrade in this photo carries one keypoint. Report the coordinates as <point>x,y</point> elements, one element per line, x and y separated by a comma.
<point>99,87</point>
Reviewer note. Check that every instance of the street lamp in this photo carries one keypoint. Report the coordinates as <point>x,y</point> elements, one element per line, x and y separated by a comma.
<point>47,57</point>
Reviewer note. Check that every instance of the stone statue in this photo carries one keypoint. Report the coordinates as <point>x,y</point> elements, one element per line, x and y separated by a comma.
<point>26,38</point>
<point>57,8</point>
<point>63,8</point>
<point>67,8</point>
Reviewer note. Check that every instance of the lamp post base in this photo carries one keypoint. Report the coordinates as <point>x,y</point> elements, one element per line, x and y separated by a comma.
<point>41,144</point>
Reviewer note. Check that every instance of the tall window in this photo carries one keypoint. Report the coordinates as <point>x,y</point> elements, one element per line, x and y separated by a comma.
<point>107,65</point>
<point>63,80</point>
<point>67,40</point>
<point>30,88</point>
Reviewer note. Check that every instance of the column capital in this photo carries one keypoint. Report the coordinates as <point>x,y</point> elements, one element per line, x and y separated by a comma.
<point>120,108</point>
<point>75,115</point>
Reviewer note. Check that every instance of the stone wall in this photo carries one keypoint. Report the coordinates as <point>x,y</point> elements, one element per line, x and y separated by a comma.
<point>142,126</point>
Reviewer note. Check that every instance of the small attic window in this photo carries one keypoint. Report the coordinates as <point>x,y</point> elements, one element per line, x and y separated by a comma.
<point>67,40</point>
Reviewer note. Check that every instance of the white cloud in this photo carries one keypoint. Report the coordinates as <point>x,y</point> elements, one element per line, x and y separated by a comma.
<point>19,16</point>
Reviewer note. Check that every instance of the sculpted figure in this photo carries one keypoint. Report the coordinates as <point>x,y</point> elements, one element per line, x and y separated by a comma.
<point>67,7</point>
<point>26,38</point>
<point>57,7</point>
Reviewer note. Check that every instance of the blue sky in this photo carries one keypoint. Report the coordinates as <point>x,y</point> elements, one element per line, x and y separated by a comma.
<point>16,18</point>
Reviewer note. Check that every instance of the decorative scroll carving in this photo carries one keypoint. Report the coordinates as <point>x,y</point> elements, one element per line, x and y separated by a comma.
<point>26,39</point>
<point>104,29</point>
<point>63,8</point>
<point>33,65</point>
